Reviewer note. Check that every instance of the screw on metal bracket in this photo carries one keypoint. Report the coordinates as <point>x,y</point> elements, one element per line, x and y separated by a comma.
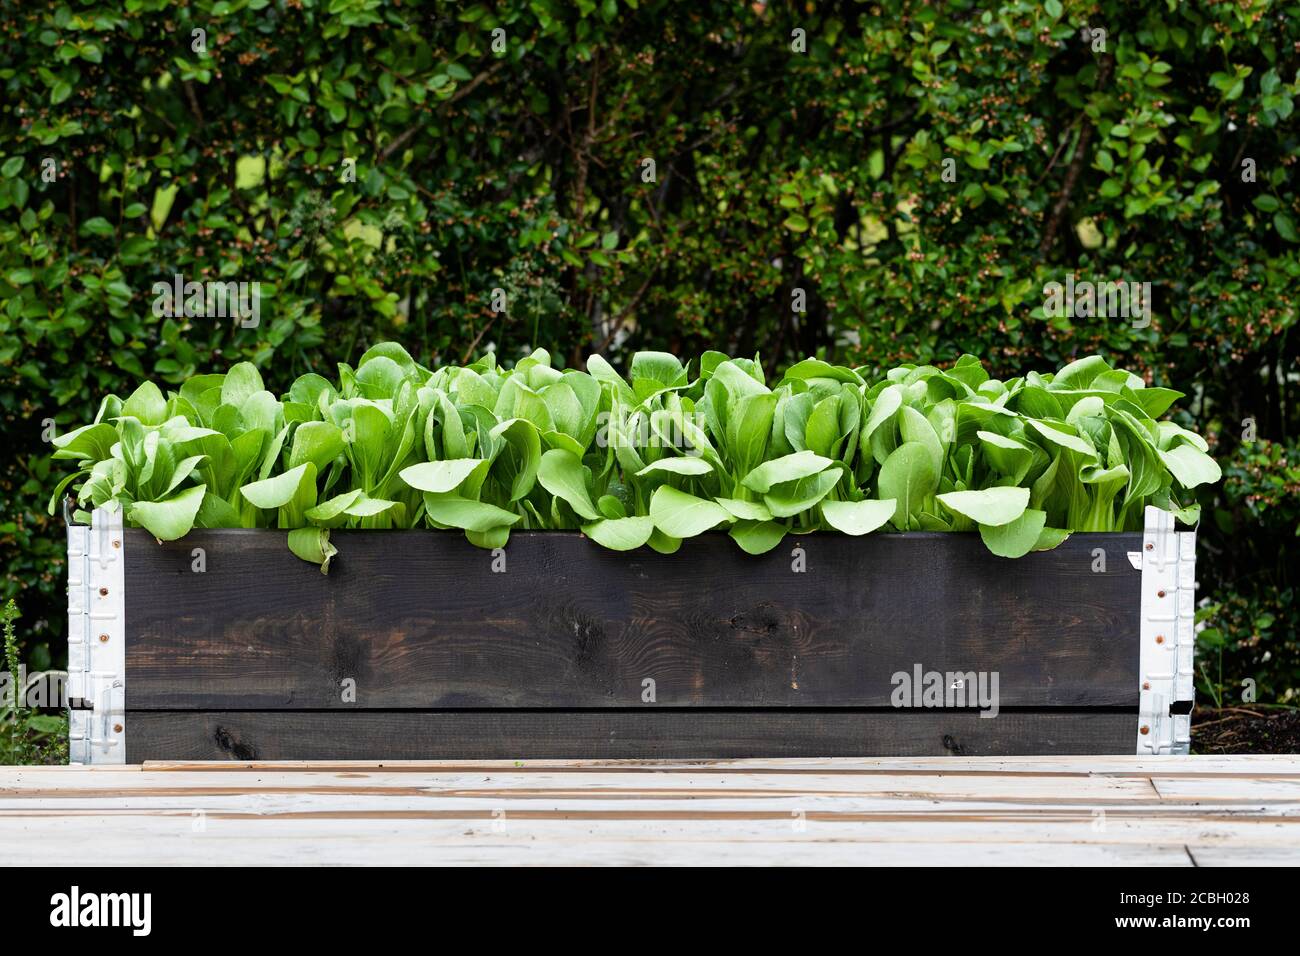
<point>96,640</point>
<point>1167,562</point>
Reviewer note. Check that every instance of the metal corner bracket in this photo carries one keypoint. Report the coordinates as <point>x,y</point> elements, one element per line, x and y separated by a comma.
<point>97,640</point>
<point>1166,670</point>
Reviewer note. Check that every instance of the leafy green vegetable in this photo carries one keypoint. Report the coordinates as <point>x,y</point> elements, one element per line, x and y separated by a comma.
<point>675,451</point>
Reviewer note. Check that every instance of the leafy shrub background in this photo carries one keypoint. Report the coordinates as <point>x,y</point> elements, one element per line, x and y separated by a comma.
<point>521,169</point>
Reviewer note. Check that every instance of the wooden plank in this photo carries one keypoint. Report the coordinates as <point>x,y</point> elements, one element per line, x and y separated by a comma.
<point>1032,811</point>
<point>421,620</point>
<point>650,734</point>
<point>1068,769</point>
<point>169,842</point>
<point>1245,856</point>
<point>595,785</point>
<point>1071,767</point>
<point>1230,789</point>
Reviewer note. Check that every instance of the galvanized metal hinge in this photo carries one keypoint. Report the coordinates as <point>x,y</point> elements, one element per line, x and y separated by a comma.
<point>1168,635</point>
<point>97,640</point>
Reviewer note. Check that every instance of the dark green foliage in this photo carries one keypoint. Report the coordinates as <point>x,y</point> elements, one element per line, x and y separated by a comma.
<point>1250,630</point>
<point>521,170</point>
<point>26,736</point>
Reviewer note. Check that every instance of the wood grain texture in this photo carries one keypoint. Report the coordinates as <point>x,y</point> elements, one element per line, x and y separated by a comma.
<point>645,734</point>
<point>1022,770</point>
<point>420,620</point>
<point>1069,811</point>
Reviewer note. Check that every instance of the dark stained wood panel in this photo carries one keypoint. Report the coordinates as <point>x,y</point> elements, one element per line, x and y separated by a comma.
<point>420,620</point>
<point>609,734</point>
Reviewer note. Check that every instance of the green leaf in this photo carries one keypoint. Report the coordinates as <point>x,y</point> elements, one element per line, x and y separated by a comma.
<point>1016,538</point>
<point>1156,401</point>
<point>170,519</point>
<point>611,507</point>
<point>858,517</point>
<point>313,545</point>
<point>1190,466</point>
<point>793,467</point>
<point>620,534</point>
<point>335,509</point>
<point>680,515</point>
<point>915,427</point>
<point>745,510</point>
<point>242,381</point>
<point>822,429</point>
<point>662,368</point>
<point>457,512</point>
<point>89,442</point>
<point>317,442</point>
<point>1006,455</point>
<point>278,490</point>
<point>520,461</point>
<point>439,476</point>
<point>1285,227</point>
<point>562,474</point>
<point>46,723</point>
<point>789,498</point>
<point>1058,437</point>
<point>147,404</point>
<point>991,506</point>
<point>663,543</point>
<point>677,466</point>
<point>887,403</point>
<point>757,537</point>
<point>96,226</point>
<point>908,477</point>
<point>1050,538</point>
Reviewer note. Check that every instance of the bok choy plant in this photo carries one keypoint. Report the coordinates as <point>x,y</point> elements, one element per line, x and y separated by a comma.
<point>666,453</point>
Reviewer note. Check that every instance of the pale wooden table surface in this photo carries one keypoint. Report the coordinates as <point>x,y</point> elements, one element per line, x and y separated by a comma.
<point>1174,811</point>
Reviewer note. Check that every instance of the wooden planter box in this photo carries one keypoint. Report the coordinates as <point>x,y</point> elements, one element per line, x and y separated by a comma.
<point>419,645</point>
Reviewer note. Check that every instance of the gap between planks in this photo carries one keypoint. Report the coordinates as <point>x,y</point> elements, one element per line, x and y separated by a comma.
<point>1246,767</point>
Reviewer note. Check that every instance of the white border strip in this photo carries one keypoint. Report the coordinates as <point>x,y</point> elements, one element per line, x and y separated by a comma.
<point>97,640</point>
<point>1167,638</point>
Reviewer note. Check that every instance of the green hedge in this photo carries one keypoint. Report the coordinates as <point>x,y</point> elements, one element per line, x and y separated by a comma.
<point>911,175</point>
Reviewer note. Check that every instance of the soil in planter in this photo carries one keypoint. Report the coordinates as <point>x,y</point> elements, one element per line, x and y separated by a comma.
<point>1239,730</point>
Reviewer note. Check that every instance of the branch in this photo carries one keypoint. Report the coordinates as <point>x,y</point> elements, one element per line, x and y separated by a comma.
<point>1057,155</point>
<point>469,352</point>
<point>1073,171</point>
<point>888,125</point>
<point>460,94</point>
<point>621,318</point>
<point>194,103</point>
<point>582,154</point>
